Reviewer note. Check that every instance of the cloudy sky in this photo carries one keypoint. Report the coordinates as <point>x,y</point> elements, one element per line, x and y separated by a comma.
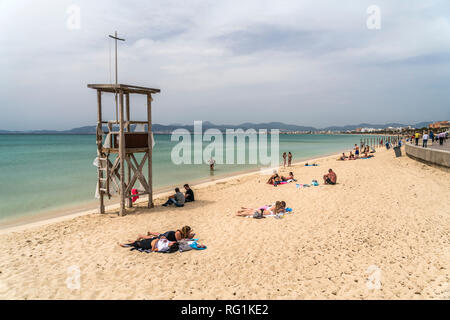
<point>300,62</point>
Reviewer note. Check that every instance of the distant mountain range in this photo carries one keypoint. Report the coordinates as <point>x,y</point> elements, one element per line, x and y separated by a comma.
<point>159,128</point>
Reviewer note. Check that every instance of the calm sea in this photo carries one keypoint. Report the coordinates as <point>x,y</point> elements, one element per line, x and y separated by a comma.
<point>41,173</point>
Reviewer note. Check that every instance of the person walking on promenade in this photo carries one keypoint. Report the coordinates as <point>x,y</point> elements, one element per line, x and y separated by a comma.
<point>441,138</point>
<point>424,140</point>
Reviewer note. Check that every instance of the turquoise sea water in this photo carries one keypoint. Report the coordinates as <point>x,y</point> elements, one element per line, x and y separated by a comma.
<point>40,173</point>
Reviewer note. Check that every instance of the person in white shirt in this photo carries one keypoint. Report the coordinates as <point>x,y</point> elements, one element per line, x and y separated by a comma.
<point>212,162</point>
<point>424,140</point>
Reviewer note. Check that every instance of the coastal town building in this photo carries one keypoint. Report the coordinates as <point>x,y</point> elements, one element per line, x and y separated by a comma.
<point>440,125</point>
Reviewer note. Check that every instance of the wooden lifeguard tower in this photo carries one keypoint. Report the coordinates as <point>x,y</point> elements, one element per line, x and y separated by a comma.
<point>125,144</point>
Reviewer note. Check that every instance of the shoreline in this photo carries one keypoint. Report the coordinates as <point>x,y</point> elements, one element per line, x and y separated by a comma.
<point>57,215</point>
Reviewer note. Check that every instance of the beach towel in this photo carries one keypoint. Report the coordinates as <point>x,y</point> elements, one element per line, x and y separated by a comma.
<point>283,182</point>
<point>196,246</point>
<point>311,165</point>
<point>134,191</point>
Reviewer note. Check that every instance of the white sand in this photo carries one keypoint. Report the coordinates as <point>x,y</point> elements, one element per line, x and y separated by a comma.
<point>392,213</point>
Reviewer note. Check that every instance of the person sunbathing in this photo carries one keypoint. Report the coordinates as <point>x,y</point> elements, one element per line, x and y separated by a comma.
<point>278,207</point>
<point>289,177</point>
<point>343,157</point>
<point>311,165</point>
<point>351,156</point>
<point>274,179</point>
<point>184,233</point>
<point>330,178</point>
<point>154,244</point>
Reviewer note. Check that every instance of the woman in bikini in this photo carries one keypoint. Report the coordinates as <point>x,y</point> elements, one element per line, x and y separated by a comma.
<point>273,179</point>
<point>279,207</point>
<point>153,244</point>
<point>289,177</point>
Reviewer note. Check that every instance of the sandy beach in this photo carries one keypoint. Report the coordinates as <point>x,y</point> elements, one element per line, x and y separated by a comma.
<point>386,214</point>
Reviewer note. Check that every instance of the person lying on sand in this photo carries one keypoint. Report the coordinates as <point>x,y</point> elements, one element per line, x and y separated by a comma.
<point>311,165</point>
<point>155,244</point>
<point>330,178</point>
<point>184,233</point>
<point>279,207</point>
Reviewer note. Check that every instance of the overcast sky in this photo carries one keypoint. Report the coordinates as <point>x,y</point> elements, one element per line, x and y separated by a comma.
<point>300,62</point>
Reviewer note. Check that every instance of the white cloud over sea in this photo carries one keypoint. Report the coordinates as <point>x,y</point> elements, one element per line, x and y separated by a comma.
<point>302,62</point>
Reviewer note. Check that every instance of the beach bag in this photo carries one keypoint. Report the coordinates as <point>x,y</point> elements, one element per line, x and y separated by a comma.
<point>184,245</point>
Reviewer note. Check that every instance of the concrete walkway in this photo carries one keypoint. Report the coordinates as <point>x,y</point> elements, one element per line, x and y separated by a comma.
<point>435,145</point>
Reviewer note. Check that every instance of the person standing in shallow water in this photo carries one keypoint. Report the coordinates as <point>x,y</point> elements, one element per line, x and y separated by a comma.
<point>212,162</point>
<point>289,159</point>
<point>284,159</point>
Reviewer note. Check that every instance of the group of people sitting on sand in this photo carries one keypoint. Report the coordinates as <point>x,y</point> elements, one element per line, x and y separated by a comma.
<point>276,179</point>
<point>266,210</point>
<point>179,199</point>
<point>366,154</point>
<point>161,242</point>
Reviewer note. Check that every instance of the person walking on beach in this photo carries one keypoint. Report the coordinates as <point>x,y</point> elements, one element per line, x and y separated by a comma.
<point>424,140</point>
<point>441,138</point>
<point>289,159</point>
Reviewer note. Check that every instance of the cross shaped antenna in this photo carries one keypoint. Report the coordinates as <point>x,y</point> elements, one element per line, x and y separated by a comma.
<point>115,40</point>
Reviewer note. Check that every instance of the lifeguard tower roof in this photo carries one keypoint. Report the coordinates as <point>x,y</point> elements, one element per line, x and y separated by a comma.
<point>125,88</point>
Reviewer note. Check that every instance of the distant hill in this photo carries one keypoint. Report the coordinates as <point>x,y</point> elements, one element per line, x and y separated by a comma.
<point>159,128</point>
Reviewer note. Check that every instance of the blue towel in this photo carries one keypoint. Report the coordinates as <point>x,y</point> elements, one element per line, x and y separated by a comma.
<point>194,245</point>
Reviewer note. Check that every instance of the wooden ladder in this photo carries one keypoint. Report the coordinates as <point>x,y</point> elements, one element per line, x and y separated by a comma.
<point>103,175</point>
